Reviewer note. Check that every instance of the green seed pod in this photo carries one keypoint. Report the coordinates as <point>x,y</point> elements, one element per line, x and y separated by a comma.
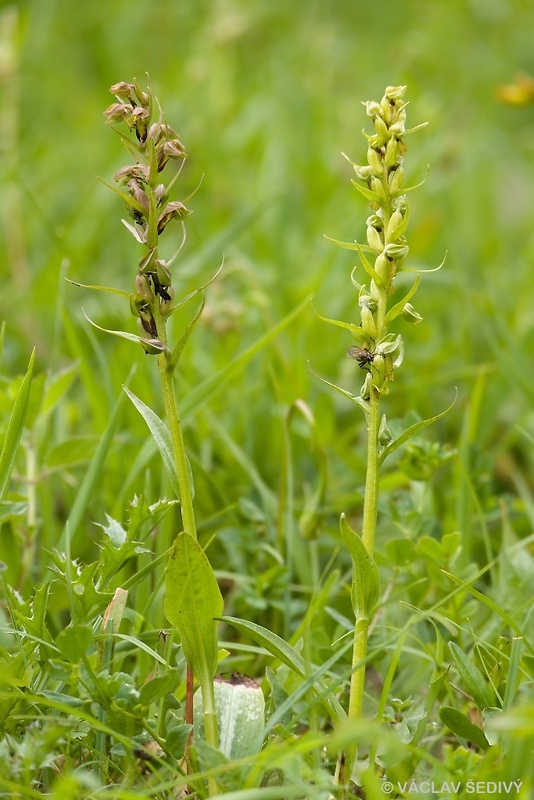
<point>240,710</point>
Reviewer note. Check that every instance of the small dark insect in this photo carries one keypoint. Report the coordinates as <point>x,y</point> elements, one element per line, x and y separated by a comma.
<point>362,355</point>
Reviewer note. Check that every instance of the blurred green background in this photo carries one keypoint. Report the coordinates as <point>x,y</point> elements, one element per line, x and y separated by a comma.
<point>266,96</point>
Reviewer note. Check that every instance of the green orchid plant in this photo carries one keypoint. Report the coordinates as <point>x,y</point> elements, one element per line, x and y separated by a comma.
<point>378,351</point>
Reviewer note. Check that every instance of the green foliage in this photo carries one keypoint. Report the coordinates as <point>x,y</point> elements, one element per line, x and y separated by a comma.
<point>266,95</point>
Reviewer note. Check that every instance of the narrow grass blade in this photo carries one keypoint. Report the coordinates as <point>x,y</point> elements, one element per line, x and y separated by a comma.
<point>210,387</point>
<point>15,428</point>
<point>283,651</point>
<point>216,382</point>
<point>93,476</point>
<point>162,438</point>
<point>493,606</point>
<point>512,673</point>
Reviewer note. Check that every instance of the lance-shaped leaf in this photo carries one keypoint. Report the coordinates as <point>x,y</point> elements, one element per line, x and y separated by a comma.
<point>481,692</point>
<point>411,431</point>
<point>162,437</point>
<point>365,580</point>
<point>193,600</point>
<point>15,428</point>
<point>462,726</point>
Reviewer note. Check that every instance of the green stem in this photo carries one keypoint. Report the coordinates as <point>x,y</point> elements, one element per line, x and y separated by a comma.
<point>370,501</point>
<point>210,722</point>
<point>361,628</point>
<point>175,427</point>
